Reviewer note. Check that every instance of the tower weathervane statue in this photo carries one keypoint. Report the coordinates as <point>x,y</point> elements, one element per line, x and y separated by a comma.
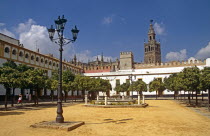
<point>61,41</point>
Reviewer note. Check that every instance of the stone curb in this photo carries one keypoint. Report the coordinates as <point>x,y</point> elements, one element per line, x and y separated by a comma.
<point>67,126</point>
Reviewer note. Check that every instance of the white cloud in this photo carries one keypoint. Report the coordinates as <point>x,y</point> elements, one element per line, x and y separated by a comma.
<point>2,24</point>
<point>108,20</point>
<point>177,56</point>
<point>203,53</point>
<point>23,27</point>
<point>34,36</point>
<point>7,32</point>
<point>159,28</point>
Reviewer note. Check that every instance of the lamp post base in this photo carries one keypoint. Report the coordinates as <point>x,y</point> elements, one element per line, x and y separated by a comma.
<point>59,120</point>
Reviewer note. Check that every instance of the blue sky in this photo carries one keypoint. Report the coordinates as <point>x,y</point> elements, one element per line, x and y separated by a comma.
<point>112,26</point>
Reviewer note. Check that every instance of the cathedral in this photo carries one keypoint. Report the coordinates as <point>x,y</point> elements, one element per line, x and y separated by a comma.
<point>152,55</point>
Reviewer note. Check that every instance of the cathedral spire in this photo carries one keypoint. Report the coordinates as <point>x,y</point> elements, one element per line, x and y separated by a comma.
<point>152,49</point>
<point>151,33</point>
<point>102,57</point>
<point>97,58</point>
<point>75,59</point>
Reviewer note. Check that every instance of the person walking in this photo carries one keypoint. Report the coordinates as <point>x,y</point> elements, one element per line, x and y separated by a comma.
<point>20,99</point>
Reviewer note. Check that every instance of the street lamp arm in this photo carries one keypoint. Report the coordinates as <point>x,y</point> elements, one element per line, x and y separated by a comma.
<point>65,41</point>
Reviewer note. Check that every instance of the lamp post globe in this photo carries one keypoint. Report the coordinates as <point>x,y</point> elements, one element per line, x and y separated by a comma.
<point>61,41</point>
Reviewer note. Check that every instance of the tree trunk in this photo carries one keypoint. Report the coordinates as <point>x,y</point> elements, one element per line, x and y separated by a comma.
<point>65,95</point>
<point>52,95</point>
<point>174,95</point>
<point>156,95</point>
<point>189,96</point>
<point>202,95</point>
<point>208,98</point>
<point>184,95</point>
<point>36,98</point>
<point>192,95</point>
<point>196,96</point>
<point>83,95</point>
<point>13,97</point>
<point>5,99</point>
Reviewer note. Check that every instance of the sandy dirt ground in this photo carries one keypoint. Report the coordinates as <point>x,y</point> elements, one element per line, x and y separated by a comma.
<point>162,117</point>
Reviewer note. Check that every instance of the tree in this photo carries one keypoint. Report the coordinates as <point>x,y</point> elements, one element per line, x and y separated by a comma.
<point>122,88</point>
<point>67,77</point>
<point>156,85</point>
<point>205,80</point>
<point>191,80</point>
<point>138,86</point>
<point>174,83</point>
<point>36,81</point>
<point>99,84</point>
<point>9,78</point>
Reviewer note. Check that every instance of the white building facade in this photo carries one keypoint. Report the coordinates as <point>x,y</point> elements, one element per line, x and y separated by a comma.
<point>147,74</point>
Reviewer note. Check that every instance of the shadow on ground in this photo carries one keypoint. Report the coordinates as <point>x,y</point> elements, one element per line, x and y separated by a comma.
<point>10,113</point>
<point>35,107</point>
<point>121,121</point>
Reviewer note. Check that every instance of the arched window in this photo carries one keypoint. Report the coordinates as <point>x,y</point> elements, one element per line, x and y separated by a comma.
<point>14,52</point>
<point>53,64</point>
<point>42,60</point>
<point>21,54</point>
<point>6,50</point>
<point>45,61</point>
<point>32,57</point>
<point>50,63</point>
<point>37,59</point>
<point>196,61</point>
<point>26,56</point>
<point>57,65</point>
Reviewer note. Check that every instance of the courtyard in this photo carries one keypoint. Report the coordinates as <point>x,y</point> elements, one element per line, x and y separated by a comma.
<point>161,117</point>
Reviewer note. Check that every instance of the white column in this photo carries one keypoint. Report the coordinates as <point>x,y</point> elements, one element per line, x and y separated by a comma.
<point>123,97</point>
<point>139,99</point>
<point>105,99</point>
<point>86,99</point>
<point>143,100</point>
<point>97,97</point>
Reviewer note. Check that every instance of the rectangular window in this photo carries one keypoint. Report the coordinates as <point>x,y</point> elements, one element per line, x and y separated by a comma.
<point>117,82</point>
<point>127,81</point>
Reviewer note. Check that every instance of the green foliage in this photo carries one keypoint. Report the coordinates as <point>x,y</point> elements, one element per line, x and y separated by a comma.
<point>174,82</point>
<point>68,76</point>
<point>35,79</point>
<point>205,79</point>
<point>122,88</point>
<point>138,86</point>
<point>10,64</point>
<point>156,85</point>
<point>9,77</point>
<point>190,78</point>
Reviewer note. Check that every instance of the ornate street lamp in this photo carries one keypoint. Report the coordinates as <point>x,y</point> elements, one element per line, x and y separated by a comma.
<point>61,41</point>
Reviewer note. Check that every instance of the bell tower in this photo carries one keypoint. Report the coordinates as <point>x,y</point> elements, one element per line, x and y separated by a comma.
<point>152,50</point>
